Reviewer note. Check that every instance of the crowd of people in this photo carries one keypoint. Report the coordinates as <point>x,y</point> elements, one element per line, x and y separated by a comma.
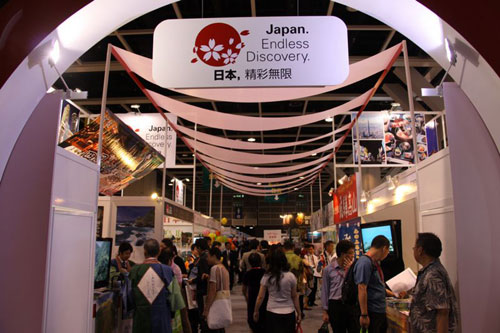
<point>279,282</point>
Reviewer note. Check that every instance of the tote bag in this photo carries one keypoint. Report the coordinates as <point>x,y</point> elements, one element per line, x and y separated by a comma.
<point>220,314</point>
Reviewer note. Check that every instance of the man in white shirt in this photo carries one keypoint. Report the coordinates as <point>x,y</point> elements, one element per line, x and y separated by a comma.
<point>328,253</point>
<point>312,261</point>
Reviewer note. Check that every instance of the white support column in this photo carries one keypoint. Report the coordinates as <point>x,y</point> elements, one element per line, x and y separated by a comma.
<point>320,194</point>
<point>221,193</point>
<point>103,104</point>
<point>210,205</point>
<point>194,166</point>
<point>164,176</point>
<point>312,205</point>
<point>410,102</point>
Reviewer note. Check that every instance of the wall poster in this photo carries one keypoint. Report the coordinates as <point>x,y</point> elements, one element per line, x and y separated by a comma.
<point>70,121</point>
<point>100,218</point>
<point>386,137</point>
<point>125,156</point>
<point>134,224</point>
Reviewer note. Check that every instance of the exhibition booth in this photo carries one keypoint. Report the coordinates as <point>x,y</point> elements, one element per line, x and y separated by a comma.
<point>106,156</point>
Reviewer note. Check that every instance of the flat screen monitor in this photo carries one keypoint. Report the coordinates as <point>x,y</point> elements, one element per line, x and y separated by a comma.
<point>368,233</point>
<point>103,247</point>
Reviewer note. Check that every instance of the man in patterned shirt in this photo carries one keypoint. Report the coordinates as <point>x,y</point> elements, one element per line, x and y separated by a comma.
<point>434,306</point>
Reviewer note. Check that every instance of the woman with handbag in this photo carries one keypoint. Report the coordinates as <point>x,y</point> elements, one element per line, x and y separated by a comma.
<point>218,312</point>
<point>283,309</point>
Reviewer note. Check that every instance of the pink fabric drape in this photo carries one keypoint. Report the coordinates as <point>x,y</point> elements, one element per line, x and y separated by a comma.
<point>263,180</point>
<point>234,122</point>
<point>251,158</point>
<point>259,170</point>
<point>244,145</point>
<point>360,70</point>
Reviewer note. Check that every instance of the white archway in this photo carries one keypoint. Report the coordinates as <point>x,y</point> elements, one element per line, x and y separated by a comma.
<point>29,82</point>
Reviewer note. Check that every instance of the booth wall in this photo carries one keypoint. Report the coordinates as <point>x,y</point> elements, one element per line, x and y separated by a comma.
<point>72,232</point>
<point>475,169</point>
<point>24,215</point>
<point>436,209</point>
<point>406,212</point>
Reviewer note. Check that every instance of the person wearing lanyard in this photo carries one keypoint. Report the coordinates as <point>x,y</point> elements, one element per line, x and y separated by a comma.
<point>369,278</point>
<point>312,261</point>
<point>335,311</point>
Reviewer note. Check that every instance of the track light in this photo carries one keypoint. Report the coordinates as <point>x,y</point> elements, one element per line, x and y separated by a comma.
<point>329,119</point>
<point>363,197</point>
<point>343,179</point>
<point>251,139</point>
<point>391,185</point>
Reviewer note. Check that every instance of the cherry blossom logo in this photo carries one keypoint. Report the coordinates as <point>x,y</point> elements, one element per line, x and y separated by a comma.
<point>218,44</point>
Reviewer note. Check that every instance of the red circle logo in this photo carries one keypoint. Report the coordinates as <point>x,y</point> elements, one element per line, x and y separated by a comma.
<point>218,44</point>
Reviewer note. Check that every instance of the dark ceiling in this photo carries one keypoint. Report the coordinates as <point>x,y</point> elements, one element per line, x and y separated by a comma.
<point>366,36</point>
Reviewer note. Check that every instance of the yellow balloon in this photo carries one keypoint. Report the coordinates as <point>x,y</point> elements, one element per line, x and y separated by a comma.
<point>223,221</point>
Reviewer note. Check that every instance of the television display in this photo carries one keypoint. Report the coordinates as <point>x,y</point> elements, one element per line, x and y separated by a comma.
<point>370,232</point>
<point>103,247</point>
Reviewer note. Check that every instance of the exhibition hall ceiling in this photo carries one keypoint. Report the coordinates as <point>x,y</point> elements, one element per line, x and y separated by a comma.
<point>366,37</point>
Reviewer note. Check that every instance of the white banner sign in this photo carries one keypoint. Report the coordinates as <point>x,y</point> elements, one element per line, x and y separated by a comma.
<point>256,51</point>
<point>272,236</point>
<point>151,128</point>
<point>179,192</point>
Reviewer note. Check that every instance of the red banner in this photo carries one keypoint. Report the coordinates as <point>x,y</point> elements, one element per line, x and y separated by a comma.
<point>345,201</point>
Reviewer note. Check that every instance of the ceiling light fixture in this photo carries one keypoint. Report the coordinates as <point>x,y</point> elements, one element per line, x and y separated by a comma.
<point>314,154</point>
<point>295,189</point>
<point>187,180</point>
<point>135,106</point>
<point>251,139</point>
<point>451,55</point>
<point>363,197</point>
<point>391,185</point>
<point>301,177</point>
<point>329,119</point>
<point>259,183</point>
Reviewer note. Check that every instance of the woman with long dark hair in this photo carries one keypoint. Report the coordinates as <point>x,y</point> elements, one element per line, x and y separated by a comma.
<point>283,309</point>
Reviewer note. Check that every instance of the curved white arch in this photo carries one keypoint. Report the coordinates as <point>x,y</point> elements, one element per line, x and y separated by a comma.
<point>82,30</point>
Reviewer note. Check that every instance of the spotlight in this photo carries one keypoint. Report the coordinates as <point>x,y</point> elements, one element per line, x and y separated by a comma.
<point>154,196</point>
<point>390,183</point>
<point>451,54</point>
<point>187,180</point>
<point>343,179</point>
<point>314,154</point>
<point>259,183</point>
<point>54,53</point>
<point>135,106</point>
<point>295,189</point>
<point>329,119</point>
<point>301,177</point>
<point>251,139</point>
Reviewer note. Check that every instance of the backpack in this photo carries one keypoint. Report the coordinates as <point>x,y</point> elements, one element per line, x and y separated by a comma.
<point>349,287</point>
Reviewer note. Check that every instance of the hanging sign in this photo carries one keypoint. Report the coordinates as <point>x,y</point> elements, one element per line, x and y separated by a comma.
<point>345,201</point>
<point>179,192</point>
<point>351,231</point>
<point>151,128</point>
<point>257,51</point>
<point>272,236</point>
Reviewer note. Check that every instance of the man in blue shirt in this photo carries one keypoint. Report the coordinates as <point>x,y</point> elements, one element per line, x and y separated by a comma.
<point>369,278</point>
<point>340,315</point>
